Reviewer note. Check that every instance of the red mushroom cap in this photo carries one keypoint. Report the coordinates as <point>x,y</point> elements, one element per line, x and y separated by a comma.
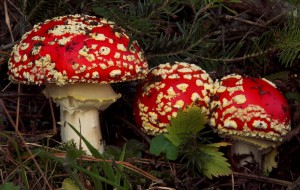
<point>167,89</point>
<point>249,107</point>
<point>76,49</point>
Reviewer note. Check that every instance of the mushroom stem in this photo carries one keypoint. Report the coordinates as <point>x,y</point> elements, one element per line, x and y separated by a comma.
<point>79,104</point>
<point>244,148</point>
<point>87,123</point>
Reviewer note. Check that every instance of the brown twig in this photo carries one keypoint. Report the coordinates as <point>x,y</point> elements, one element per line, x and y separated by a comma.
<point>263,179</point>
<point>125,164</point>
<point>13,94</point>
<point>295,185</point>
<point>245,21</point>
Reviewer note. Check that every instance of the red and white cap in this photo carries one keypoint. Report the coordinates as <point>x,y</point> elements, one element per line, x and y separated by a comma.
<point>168,88</point>
<point>76,49</point>
<point>249,107</point>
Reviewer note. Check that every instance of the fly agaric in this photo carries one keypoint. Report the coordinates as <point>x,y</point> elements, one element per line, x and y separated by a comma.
<point>76,57</point>
<point>251,111</point>
<point>167,89</point>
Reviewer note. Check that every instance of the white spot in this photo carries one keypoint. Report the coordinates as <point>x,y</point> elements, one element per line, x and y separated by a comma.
<point>221,89</point>
<point>99,37</point>
<point>179,104</point>
<point>239,99</point>
<point>115,73</point>
<point>259,124</point>
<point>104,50</point>
<point>199,82</point>
<point>117,55</point>
<point>121,47</point>
<point>95,75</point>
<point>102,66</point>
<point>182,87</point>
<point>87,75</point>
<point>24,46</point>
<point>173,76</point>
<point>153,117</point>
<point>36,50</point>
<point>76,28</point>
<point>75,66</point>
<point>38,38</point>
<point>230,124</point>
<point>17,56</point>
<point>64,40</point>
<point>189,77</point>
<point>195,97</point>
<point>171,92</point>
<point>111,63</point>
<point>82,68</point>
<point>185,70</point>
<point>24,58</point>
<point>84,52</point>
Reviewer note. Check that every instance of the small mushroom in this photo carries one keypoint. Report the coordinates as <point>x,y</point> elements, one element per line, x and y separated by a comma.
<point>252,111</point>
<point>77,57</point>
<point>168,88</point>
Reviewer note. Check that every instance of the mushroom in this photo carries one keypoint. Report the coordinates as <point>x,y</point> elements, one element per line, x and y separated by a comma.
<point>252,111</point>
<point>77,57</point>
<point>168,88</point>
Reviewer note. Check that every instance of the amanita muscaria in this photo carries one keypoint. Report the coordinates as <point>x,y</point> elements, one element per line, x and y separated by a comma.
<point>250,110</point>
<point>168,88</point>
<point>76,57</point>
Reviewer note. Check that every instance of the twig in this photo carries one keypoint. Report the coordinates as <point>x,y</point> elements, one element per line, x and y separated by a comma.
<point>125,164</point>
<point>263,179</point>
<point>13,94</point>
<point>236,59</point>
<point>245,21</point>
<point>7,46</point>
<point>295,185</point>
<point>7,20</point>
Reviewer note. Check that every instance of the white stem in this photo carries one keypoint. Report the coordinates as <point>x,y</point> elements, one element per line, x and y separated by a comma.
<point>87,123</point>
<point>79,105</point>
<point>243,148</point>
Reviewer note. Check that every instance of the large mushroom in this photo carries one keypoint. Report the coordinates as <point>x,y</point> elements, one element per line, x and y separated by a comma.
<point>77,57</point>
<point>252,111</point>
<point>168,88</point>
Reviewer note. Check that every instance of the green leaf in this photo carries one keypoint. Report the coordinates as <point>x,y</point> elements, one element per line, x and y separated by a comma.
<point>206,159</point>
<point>293,96</point>
<point>160,144</point>
<point>187,122</point>
<point>213,162</point>
<point>9,186</point>
<point>69,184</point>
<point>71,156</point>
<point>134,148</point>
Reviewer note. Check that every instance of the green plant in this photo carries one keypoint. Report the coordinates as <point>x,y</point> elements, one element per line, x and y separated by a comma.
<point>102,174</point>
<point>184,140</point>
<point>21,168</point>
<point>9,186</point>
